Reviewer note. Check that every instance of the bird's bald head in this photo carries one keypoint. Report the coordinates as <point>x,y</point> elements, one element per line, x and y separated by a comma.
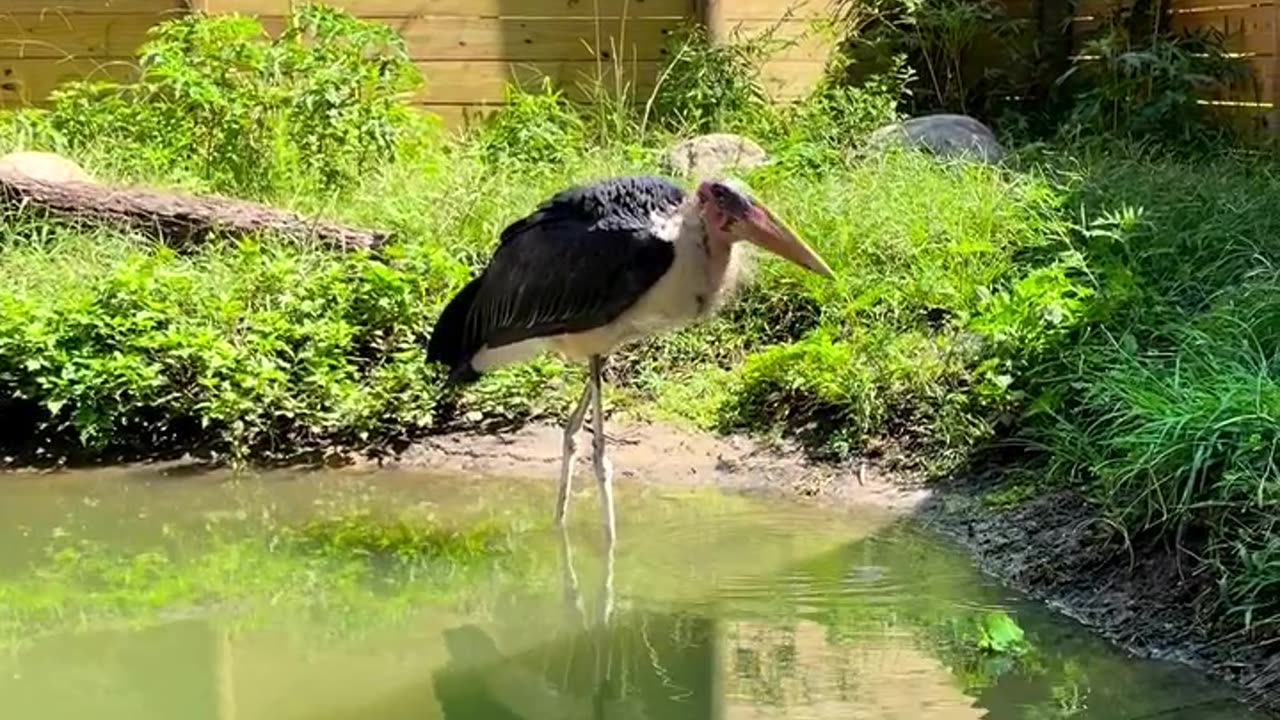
<point>730,213</point>
<point>724,201</point>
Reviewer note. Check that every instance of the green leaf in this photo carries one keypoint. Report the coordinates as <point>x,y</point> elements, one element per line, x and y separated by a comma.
<point>1001,634</point>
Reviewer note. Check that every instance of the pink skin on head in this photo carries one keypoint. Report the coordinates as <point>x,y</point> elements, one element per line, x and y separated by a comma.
<point>717,221</point>
<point>730,216</point>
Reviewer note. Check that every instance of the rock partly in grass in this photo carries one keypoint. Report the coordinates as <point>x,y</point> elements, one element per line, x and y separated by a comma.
<point>43,166</point>
<point>944,135</point>
<point>714,154</point>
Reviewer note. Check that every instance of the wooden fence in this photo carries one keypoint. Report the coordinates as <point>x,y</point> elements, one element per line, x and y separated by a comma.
<point>1250,28</point>
<point>469,49</point>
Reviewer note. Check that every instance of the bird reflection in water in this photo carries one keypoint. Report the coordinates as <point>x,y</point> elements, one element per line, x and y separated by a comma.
<point>634,667</point>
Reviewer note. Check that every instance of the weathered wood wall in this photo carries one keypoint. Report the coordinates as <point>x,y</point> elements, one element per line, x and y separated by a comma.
<point>804,24</point>
<point>46,42</point>
<point>468,50</point>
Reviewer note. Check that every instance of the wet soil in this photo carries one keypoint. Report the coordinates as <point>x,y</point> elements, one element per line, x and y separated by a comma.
<point>1052,547</point>
<point>1140,595</point>
<point>652,452</point>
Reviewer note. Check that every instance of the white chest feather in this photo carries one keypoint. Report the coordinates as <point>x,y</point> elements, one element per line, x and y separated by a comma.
<point>701,277</point>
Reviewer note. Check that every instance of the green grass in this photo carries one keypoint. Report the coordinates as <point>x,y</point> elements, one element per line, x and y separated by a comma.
<point>1164,406</point>
<point>264,347</point>
<point>1113,306</point>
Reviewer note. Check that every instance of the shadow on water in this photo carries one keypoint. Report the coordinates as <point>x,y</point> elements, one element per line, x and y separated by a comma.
<point>708,608</point>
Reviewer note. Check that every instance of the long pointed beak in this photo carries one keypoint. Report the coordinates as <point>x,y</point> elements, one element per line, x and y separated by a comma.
<point>770,233</point>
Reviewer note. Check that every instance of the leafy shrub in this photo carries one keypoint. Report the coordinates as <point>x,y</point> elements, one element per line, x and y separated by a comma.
<point>250,113</point>
<point>26,128</point>
<point>251,348</point>
<point>820,130</point>
<point>1148,87</point>
<point>945,35</point>
<point>939,296</point>
<point>954,55</point>
<point>532,127</point>
<point>1029,321</point>
<point>837,115</point>
<point>707,86</point>
<point>825,388</point>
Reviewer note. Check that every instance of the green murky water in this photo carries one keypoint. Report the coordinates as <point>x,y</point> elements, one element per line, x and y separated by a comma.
<point>397,595</point>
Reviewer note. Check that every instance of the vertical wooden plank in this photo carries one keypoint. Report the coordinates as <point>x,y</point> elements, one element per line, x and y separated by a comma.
<point>715,18</point>
<point>1056,34</point>
<point>1269,89</point>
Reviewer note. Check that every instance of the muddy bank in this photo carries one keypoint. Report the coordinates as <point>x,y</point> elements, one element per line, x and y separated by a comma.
<point>654,452</point>
<point>1055,549</point>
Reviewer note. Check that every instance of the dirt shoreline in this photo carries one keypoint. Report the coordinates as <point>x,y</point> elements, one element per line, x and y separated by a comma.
<point>659,452</point>
<point>1046,547</point>
<point>1051,548</point>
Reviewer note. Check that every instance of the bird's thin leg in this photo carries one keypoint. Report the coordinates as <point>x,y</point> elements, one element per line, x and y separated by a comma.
<point>570,453</point>
<point>604,470</point>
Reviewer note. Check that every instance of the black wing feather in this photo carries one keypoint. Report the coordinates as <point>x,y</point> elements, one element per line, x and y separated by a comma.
<point>577,262</point>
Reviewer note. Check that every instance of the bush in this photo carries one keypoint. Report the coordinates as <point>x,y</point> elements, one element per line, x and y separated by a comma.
<point>819,131</point>
<point>244,348</point>
<point>1149,87</point>
<point>964,56</point>
<point>532,127</point>
<point>710,87</point>
<point>251,114</point>
<point>1160,406</point>
<point>943,274</point>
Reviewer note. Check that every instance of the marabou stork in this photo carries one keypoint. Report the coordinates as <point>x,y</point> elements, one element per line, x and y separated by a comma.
<point>597,266</point>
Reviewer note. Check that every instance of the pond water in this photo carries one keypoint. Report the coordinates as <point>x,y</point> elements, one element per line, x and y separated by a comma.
<point>390,595</point>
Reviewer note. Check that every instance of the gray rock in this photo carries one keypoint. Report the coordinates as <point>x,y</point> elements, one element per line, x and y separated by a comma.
<point>45,166</point>
<point>714,154</point>
<point>944,135</point>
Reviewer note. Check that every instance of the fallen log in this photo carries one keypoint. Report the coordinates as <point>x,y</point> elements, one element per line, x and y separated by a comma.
<point>179,220</point>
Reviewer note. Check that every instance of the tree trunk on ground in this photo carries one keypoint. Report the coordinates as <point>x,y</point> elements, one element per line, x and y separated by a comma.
<point>179,220</point>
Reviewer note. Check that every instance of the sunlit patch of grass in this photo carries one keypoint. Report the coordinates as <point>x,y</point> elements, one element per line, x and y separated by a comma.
<point>693,399</point>
<point>1164,410</point>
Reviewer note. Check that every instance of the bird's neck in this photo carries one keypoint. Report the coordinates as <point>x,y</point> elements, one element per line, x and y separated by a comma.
<point>715,254</point>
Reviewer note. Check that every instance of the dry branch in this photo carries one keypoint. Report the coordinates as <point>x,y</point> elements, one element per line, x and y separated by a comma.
<point>179,220</point>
